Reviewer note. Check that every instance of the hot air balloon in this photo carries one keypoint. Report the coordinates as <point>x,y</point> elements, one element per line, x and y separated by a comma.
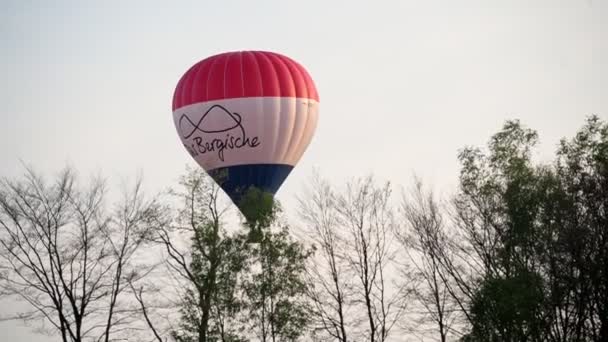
<point>246,117</point>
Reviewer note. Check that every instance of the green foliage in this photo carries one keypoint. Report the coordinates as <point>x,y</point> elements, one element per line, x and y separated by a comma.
<point>276,293</point>
<point>275,288</point>
<point>260,210</point>
<point>216,262</point>
<point>216,291</point>
<point>541,233</point>
<point>243,280</point>
<point>502,188</point>
<point>507,309</point>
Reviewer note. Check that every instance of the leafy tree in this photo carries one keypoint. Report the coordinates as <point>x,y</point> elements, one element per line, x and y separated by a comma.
<point>581,236</point>
<point>536,234</point>
<point>205,260</point>
<point>250,277</point>
<point>500,197</point>
<point>275,288</point>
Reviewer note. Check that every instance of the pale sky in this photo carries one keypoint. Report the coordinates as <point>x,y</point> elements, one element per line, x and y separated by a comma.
<point>403,84</point>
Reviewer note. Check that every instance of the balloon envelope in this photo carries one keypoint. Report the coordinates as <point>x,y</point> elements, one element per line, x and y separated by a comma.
<point>246,118</point>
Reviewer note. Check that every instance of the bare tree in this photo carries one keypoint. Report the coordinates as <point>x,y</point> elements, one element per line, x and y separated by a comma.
<point>354,271</point>
<point>423,241</point>
<point>68,256</point>
<point>367,215</point>
<point>329,281</point>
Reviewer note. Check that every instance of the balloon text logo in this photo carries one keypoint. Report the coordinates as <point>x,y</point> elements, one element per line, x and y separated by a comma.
<point>219,120</point>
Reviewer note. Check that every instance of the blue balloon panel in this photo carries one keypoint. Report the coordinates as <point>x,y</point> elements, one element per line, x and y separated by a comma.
<point>235,180</point>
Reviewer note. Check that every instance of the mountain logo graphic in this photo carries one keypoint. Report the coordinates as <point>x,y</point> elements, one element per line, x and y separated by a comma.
<point>204,125</point>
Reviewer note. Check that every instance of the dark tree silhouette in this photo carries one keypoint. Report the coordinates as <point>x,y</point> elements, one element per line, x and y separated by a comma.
<point>69,257</point>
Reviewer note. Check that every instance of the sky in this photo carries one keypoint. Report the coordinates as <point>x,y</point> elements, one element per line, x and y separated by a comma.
<point>403,84</point>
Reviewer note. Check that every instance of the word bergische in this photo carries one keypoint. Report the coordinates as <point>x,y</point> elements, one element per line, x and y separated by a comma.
<point>199,146</point>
